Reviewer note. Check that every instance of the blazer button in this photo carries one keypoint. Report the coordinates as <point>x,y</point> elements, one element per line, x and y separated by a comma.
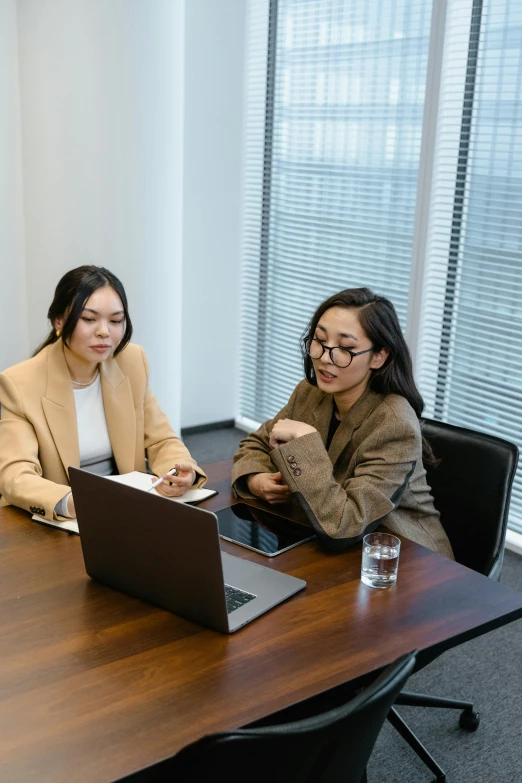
<point>293,464</point>
<point>291,459</point>
<point>297,472</point>
<point>32,508</point>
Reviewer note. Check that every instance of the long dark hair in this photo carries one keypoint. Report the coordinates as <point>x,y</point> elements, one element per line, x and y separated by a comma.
<point>70,296</point>
<point>379,320</point>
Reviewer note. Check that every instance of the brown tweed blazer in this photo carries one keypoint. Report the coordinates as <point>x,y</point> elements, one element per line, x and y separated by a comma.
<point>372,473</point>
<point>39,433</point>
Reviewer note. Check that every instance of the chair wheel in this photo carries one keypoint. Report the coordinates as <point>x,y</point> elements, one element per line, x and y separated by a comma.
<point>469,720</point>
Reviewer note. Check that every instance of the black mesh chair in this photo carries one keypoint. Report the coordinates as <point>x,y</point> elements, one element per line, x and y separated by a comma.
<point>471,488</point>
<point>328,747</point>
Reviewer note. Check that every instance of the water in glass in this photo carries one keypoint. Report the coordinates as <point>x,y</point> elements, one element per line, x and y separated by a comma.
<point>379,563</point>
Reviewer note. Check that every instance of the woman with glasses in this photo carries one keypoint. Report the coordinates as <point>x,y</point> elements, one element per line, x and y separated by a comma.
<point>84,400</point>
<point>347,447</point>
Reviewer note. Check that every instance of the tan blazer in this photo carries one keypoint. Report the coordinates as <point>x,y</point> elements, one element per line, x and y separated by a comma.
<point>39,432</point>
<point>372,473</point>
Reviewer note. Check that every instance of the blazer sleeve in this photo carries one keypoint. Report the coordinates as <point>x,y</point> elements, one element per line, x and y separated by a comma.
<point>21,481</point>
<point>254,453</point>
<point>163,447</point>
<point>342,513</point>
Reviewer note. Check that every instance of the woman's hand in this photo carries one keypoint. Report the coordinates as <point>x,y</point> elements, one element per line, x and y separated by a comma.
<point>286,430</point>
<point>268,486</point>
<point>175,486</point>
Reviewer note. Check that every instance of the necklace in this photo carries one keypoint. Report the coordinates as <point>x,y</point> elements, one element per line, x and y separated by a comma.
<point>88,382</point>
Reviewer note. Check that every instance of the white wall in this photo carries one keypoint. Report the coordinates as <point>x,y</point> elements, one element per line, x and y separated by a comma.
<point>131,122</point>
<point>14,344</point>
<point>102,127</point>
<point>214,69</point>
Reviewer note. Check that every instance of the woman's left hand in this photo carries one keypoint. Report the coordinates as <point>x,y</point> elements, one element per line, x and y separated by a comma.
<point>175,486</point>
<point>286,430</point>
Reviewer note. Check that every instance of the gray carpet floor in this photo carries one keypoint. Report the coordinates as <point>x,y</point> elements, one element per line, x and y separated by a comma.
<point>214,445</point>
<point>486,671</point>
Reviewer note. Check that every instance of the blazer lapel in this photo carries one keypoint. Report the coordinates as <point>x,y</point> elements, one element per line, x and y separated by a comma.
<point>120,415</point>
<point>59,408</point>
<point>351,421</point>
<point>321,416</point>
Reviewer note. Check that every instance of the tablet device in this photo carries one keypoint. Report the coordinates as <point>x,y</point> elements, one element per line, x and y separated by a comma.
<point>262,531</point>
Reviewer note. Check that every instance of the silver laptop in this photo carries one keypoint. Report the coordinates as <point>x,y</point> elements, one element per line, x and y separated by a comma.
<point>169,554</point>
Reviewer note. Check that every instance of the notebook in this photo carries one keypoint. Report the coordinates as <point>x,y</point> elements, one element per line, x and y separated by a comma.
<point>134,479</point>
<point>169,555</point>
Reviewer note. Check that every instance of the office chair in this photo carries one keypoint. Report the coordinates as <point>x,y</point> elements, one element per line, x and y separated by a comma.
<point>471,488</point>
<point>326,747</point>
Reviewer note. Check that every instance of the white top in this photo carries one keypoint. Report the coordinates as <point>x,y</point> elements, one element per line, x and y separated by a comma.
<point>93,436</point>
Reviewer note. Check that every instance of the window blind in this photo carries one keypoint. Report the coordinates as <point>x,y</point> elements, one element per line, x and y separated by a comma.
<point>334,122</point>
<point>470,350</point>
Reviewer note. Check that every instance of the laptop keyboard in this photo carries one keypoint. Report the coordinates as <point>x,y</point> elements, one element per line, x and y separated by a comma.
<point>236,597</point>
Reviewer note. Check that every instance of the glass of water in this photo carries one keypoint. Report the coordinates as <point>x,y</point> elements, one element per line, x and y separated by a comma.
<point>380,559</point>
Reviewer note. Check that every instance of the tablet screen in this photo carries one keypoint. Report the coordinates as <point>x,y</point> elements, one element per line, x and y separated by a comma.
<point>259,530</point>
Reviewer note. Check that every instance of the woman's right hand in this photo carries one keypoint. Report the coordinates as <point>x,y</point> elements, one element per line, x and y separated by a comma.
<point>268,486</point>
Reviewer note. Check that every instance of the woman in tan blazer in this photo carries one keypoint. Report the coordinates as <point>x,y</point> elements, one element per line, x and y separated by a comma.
<point>347,447</point>
<point>85,389</point>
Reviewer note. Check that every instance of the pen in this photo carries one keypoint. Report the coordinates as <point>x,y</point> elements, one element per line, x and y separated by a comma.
<point>172,472</point>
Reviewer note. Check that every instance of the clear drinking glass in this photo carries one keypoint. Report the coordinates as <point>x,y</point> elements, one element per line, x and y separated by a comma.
<point>380,559</point>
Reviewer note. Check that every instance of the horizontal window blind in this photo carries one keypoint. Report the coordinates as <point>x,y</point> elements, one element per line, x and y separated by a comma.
<point>470,351</point>
<point>334,122</point>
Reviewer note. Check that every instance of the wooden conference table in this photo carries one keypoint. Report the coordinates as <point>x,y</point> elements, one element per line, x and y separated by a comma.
<point>95,684</point>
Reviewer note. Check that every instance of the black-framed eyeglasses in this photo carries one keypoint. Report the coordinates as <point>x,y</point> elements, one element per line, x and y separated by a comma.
<point>341,357</point>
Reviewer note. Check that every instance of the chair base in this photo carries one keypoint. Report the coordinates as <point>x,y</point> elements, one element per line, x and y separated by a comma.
<point>469,720</point>
<point>416,745</point>
<point>423,700</point>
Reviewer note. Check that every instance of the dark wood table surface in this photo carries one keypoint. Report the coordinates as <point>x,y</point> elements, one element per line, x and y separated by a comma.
<point>95,684</point>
